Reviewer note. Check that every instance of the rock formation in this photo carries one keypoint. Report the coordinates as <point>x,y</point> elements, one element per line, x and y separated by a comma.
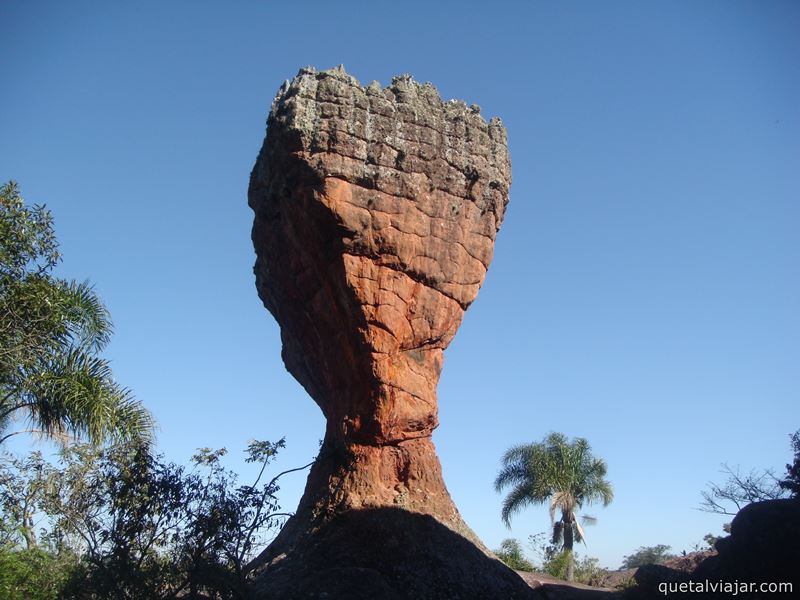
<point>761,548</point>
<point>376,211</point>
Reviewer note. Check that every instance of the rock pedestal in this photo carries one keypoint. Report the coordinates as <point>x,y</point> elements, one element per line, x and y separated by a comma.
<point>376,211</point>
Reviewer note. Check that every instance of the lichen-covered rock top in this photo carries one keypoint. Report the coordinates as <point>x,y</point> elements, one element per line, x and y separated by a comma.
<point>403,129</point>
<point>434,175</point>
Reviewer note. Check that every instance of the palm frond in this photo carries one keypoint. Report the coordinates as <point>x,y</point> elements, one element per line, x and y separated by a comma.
<point>517,499</point>
<point>88,319</point>
<point>580,536</point>
<point>510,474</point>
<point>77,394</point>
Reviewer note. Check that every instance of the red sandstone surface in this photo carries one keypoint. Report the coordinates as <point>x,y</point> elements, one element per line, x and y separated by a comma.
<point>376,211</point>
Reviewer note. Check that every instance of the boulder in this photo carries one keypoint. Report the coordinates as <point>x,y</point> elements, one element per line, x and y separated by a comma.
<point>762,546</point>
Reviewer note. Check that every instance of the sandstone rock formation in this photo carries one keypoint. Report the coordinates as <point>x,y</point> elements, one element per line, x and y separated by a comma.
<point>376,211</point>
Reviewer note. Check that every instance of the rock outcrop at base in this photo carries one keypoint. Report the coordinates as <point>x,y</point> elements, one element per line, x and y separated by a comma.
<point>390,554</point>
<point>762,547</point>
<point>760,555</point>
<point>376,211</point>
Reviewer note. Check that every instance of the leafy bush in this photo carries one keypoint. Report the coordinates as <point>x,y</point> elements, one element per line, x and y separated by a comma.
<point>35,573</point>
<point>510,552</point>
<point>587,569</point>
<point>556,562</point>
<point>647,555</point>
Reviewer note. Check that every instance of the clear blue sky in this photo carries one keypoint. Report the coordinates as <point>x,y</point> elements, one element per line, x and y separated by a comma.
<point>645,289</point>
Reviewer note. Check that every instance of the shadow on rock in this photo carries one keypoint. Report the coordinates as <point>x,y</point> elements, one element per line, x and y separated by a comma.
<point>388,554</point>
<point>552,588</point>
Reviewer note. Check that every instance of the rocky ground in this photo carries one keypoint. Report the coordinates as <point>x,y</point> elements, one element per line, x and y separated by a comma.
<point>552,588</point>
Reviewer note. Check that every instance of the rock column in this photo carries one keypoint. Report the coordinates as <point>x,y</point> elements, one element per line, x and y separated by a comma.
<point>376,211</point>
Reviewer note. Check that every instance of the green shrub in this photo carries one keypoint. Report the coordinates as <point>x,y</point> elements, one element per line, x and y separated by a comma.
<point>647,555</point>
<point>587,569</point>
<point>35,573</point>
<point>510,552</point>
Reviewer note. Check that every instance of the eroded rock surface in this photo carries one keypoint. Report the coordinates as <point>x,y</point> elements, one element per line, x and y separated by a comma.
<point>376,211</point>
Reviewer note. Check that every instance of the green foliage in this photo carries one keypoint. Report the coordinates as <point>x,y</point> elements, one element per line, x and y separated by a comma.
<point>557,562</point>
<point>589,571</point>
<point>628,587</point>
<point>120,503</point>
<point>151,528</point>
<point>143,527</point>
<point>647,555</point>
<point>51,333</point>
<point>585,569</point>
<point>28,242</point>
<point>22,489</point>
<point>792,481</point>
<point>710,539</point>
<point>557,471</point>
<point>510,552</point>
<point>35,573</point>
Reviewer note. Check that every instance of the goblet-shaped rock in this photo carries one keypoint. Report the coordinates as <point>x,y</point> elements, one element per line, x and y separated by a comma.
<point>376,211</point>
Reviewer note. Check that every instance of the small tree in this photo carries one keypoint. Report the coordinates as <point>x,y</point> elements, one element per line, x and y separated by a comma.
<point>741,489</point>
<point>23,484</point>
<point>647,555</point>
<point>511,553</point>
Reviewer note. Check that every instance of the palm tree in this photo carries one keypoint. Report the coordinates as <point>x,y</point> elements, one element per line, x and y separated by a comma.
<point>560,472</point>
<point>52,331</point>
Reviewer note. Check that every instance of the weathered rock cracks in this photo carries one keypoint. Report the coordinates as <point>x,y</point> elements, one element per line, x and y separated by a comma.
<point>376,211</point>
